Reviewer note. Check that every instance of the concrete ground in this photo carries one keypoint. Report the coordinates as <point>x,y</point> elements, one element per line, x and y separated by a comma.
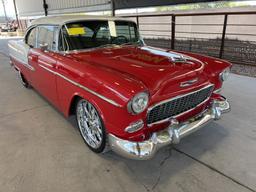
<point>42,151</point>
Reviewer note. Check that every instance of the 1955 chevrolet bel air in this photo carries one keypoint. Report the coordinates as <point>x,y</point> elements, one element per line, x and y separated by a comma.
<point>126,96</point>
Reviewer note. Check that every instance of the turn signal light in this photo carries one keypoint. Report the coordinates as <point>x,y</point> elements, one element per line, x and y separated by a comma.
<point>135,126</point>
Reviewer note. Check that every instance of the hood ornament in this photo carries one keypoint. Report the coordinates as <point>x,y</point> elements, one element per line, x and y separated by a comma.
<point>188,83</point>
<point>177,58</point>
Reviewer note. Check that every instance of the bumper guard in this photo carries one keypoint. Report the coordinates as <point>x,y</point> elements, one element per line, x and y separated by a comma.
<point>171,135</point>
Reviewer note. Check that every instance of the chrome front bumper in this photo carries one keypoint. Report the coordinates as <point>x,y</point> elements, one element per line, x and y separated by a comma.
<point>171,135</point>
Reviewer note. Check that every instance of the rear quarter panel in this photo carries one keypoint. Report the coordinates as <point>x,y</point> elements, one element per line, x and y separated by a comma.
<point>18,52</point>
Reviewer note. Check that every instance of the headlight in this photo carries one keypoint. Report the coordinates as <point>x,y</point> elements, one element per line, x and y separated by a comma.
<point>138,103</point>
<point>224,74</point>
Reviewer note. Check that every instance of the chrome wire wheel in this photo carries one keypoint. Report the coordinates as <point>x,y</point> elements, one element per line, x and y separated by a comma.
<point>90,125</point>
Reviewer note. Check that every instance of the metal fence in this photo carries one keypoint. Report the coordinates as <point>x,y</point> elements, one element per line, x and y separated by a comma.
<point>227,35</point>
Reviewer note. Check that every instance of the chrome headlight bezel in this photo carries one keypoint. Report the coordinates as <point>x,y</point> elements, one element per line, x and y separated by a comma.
<point>224,74</point>
<point>133,105</point>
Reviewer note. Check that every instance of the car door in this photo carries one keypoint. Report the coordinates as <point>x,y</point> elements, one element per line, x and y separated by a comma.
<point>43,59</point>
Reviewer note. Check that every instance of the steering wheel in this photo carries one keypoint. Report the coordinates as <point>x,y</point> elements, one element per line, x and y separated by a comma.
<point>120,39</point>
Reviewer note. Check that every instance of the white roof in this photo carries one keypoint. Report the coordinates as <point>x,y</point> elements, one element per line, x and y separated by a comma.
<point>60,20</point>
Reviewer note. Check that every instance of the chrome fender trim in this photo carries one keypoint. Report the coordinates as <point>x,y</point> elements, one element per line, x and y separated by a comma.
<point>81,86</point>
<point>171,135</point>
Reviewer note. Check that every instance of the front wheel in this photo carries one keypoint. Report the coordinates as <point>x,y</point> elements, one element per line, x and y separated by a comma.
<point>90,126</point>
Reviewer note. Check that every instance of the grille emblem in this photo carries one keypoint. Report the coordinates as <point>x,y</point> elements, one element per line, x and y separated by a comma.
<point>188,83</point>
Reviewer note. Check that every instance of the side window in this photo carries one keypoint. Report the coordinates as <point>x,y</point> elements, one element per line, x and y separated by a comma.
<point>47,35</point>
<point>31,38</point>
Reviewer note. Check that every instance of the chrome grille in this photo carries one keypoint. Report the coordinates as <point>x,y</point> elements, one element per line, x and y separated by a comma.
<point>178,105</point>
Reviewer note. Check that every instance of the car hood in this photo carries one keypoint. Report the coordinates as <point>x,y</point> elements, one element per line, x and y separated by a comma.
<point>161,71</point>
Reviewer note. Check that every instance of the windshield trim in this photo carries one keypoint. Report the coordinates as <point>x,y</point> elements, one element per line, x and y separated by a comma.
<point>99,47</point>
<point>140,39</point>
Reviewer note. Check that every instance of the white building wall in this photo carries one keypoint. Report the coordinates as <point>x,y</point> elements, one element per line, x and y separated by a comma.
<point>30,7</point>
<point>27,8</point>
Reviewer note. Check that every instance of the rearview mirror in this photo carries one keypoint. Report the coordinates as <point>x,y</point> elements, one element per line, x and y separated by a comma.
<point>43,46</point>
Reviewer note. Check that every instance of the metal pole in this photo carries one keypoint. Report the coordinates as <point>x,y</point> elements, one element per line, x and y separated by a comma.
<point>223,35</point>
<point>113,8</point>
<point>16,13</point>
<point>137,21</point>
<point>45,5</point>
<point>173,32</point>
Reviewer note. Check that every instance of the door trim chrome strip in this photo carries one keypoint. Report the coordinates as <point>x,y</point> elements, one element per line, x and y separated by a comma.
<point>82,87</point>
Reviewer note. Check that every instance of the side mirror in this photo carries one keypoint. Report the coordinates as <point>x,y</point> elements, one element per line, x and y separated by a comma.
<point>43,46</point>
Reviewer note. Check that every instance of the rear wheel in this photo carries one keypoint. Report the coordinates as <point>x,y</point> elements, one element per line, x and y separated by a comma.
<point>90,126</point>
<point>23,80</point>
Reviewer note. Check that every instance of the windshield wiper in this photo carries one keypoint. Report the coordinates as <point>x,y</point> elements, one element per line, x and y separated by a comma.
<point>106,45</point>
<point>132,43</point>
<point>113,44</point>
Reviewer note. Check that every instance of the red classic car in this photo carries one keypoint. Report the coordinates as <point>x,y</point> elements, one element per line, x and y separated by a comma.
<point>126,96</point>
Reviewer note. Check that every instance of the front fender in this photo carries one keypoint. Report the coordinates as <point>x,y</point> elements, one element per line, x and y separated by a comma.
<point>213,67</point>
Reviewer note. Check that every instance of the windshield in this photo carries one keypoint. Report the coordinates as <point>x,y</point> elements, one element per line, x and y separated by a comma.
<point>91,34</point>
